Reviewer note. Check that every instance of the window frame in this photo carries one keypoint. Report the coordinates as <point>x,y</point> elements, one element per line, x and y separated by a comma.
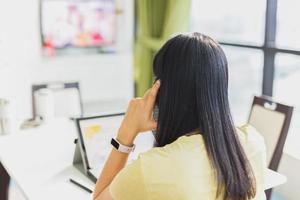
<point>268,48</point>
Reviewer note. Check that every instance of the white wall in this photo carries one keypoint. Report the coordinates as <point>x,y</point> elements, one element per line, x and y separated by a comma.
<point>101,77</point>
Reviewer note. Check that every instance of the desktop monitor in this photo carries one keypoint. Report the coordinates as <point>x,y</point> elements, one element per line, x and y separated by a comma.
<point>95,134</point>
<point>78,23</point>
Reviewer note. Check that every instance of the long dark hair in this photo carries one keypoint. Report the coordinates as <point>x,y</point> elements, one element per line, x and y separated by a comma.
<point>193,96</point>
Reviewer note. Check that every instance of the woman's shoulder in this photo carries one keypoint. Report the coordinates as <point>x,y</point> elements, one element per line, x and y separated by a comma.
<point>159,161</point>
<point>248,131</point>
<point>250,137</point>
<point>187,146</point>
<point>183,145</point>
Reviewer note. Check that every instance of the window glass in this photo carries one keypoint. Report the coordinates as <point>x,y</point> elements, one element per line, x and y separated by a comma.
<point>286,90</point>
<point>245,79</point>
<point>230,20</point>
<point>288,25</point>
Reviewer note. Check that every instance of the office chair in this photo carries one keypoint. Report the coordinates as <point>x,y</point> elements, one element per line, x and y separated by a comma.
<point>272,120</point>
<point>4,183</point>
<point>67,98</point>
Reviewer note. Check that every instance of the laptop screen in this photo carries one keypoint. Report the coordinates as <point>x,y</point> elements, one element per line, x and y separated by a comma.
<point>95,134</point>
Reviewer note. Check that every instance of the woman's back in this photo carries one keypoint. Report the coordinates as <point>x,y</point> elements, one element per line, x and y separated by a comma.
<point>182,170</point>
<point>192,76</point>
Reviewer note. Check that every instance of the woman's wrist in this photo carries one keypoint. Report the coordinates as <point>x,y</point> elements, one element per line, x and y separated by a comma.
<point>126,136</point>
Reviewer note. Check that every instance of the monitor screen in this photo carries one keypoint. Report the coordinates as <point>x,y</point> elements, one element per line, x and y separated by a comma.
<point>78,23</point>
<point>96,133</point>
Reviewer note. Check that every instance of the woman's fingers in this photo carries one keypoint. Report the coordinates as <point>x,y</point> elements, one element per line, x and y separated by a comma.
<point>153,125</point>
<point>146,94</point>
<point>150,95</point>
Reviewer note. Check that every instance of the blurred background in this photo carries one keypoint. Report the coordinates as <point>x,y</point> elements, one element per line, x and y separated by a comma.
<point>102,51</point>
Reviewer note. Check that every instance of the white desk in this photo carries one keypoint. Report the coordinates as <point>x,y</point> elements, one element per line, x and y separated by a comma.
<point>102,106</point>
<point>40,162</point>
<point>274,179</point>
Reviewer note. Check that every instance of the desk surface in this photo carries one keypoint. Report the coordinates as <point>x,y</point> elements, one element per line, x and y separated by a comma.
<point>40,161</point>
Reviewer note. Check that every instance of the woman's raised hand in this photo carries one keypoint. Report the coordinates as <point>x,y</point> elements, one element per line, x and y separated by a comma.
<point>139,116</point>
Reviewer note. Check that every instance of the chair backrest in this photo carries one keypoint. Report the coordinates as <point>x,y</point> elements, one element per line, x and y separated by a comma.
<point>272,120</point>
<point>67,98</point>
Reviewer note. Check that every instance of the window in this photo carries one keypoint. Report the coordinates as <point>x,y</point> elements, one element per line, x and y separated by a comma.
<point>288,29</point>
<point>230,20</point>
<point>261,40</point>
<point>245,79</point>
<point>287,76</point>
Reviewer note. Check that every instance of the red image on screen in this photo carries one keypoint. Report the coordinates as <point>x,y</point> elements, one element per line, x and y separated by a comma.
<point>90,23</point>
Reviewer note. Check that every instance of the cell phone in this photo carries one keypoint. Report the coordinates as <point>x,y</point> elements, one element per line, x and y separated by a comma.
<point>155,116</point>
<point>155,112</point>
<point>155,109</point>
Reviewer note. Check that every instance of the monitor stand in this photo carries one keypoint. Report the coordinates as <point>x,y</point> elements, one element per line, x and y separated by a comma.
<point>77,160</point>
<point>78,163</point>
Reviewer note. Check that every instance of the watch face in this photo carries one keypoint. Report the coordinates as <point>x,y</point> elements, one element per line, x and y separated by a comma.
<point>114,143</point>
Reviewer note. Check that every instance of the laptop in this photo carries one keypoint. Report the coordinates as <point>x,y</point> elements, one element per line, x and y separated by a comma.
<point>94,136</point>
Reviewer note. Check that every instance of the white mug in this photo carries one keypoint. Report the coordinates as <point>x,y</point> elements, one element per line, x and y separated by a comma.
<point>4,117</point>
<point>44,103</point>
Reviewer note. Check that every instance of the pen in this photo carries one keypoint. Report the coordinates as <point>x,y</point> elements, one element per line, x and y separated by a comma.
<point>81,186</point>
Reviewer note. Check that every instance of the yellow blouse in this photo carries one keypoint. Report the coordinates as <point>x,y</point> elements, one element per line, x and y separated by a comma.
<point>182,171</point>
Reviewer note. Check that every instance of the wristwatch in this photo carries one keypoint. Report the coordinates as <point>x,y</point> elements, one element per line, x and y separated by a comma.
<point>120,147</point>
